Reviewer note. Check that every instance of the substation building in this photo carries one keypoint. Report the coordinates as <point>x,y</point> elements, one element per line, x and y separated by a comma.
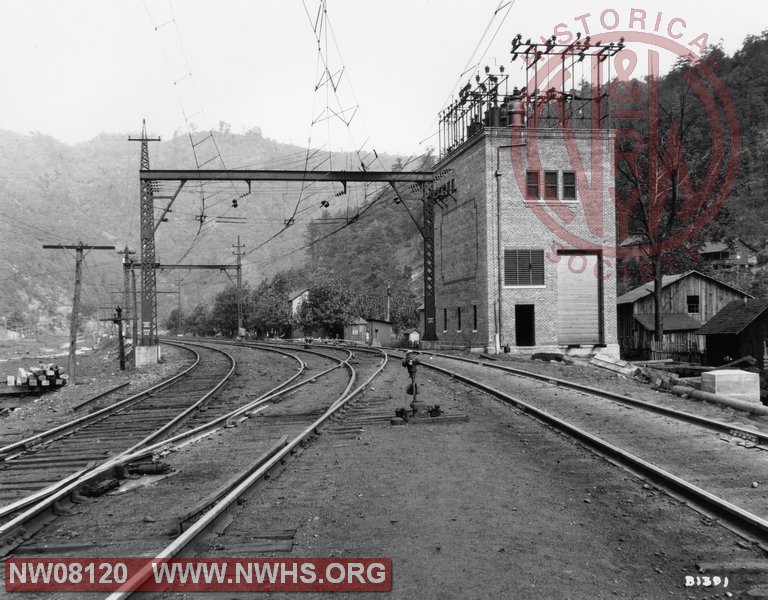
<point>525,230</point>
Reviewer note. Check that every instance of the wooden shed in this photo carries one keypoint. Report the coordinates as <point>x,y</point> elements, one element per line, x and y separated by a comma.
<point>687,298</point>
<point>380,332</point>
<point>740,329</point>
<point>412,336</point>
<point>357,331</point>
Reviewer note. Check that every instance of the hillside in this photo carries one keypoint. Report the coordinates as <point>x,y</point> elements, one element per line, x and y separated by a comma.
<point>52,193</point>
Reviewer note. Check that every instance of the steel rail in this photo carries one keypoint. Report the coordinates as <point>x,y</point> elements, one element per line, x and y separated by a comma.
<point>740,520</point>
<point>209,518</point>
<point>39,438</point>
<point>190,409</point>
<point>748,433</point>
<point>120,460</point>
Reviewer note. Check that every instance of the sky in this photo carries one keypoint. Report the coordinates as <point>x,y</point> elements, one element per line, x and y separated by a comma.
<point>74,69</point>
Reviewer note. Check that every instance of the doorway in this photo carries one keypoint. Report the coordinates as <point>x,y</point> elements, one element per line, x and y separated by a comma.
<point>525,325</point>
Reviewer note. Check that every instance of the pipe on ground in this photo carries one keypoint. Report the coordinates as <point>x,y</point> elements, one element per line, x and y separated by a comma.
<point>752,407</point>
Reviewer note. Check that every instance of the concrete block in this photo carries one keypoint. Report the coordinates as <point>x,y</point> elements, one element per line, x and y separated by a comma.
<point>733,383</point>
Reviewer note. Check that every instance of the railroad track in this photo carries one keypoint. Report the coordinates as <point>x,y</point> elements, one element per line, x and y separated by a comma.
<point>43,474</point>
<point>35,463</point>
<point>264,435</point>
<point>717,467</point>
<point>647,443</point>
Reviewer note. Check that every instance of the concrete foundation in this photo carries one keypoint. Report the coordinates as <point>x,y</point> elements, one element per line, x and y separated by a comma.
<point>733,383</point>
<point>147,355</point>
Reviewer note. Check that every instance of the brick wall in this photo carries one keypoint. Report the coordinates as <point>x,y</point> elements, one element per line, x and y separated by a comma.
<point>461,275</point>
<point>489,171</point>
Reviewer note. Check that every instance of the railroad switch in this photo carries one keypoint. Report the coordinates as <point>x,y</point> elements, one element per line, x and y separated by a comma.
<point>412,362</point>
<point>153,468</point>
<point>99,487</point>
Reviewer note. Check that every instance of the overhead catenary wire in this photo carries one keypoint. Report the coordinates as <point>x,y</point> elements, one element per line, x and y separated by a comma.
<point>429,133</point>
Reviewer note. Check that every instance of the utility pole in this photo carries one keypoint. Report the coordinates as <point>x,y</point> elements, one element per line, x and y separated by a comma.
<point>389,299</point>
<point>121,342</point>
<point>118,320</point>
<point>129,292</point>
<point>239,254</point>
<point>78,248</point>
<point>134,314</point>
<point>126,252</point>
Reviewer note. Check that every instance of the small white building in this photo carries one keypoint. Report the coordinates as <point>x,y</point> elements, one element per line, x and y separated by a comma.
<point>413,336</point>
<point>8,334</point>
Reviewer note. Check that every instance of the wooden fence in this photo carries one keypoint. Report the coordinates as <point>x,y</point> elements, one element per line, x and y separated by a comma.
<point>688,353</point>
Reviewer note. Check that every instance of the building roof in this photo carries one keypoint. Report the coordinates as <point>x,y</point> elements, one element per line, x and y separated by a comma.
<point>646,289</point>
<point>722,246</point>
<point>734,317</point>
<point>371,320</point>
<point>672,322</point>
<point>358,321</point>
<point>296,293</point>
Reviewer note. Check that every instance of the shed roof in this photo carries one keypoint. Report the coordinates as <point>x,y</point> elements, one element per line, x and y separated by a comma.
<point>646,289</point>
<point>721,246</point>
<point>296,293</point>
<point>734,317</point>
<point>672,322</point>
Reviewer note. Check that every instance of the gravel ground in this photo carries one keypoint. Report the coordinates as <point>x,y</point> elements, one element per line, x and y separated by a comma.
<point>98,370</point>
<point>497,506</point>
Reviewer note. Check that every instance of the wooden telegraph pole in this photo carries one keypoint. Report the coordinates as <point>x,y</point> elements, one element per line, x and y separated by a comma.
<point>129,291</point>
<point>78,248</point>
<point>238,292</point>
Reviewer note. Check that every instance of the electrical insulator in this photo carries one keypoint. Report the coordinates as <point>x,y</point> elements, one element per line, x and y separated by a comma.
<point>234,203</point>
<point>325,204</point>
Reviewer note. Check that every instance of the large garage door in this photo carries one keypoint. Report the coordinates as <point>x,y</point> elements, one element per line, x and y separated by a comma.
<point>578,299</point>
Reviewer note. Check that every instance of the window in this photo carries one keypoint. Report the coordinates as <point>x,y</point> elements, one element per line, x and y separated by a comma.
<point>550,185</point>
<point>569,185</point>
<point>523,267</point>
<point>445,320</point>
<point>458,319</point>
<point>474,317</point>
<point>693,305</point>
<point>532,185</point>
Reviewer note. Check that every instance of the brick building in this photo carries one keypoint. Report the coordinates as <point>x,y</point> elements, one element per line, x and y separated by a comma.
<point>525,239</point>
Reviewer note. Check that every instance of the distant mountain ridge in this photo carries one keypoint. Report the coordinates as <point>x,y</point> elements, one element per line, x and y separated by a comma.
<point>54,193</point>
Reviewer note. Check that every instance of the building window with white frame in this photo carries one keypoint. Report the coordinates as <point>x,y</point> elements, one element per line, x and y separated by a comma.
<point>532,185</point>
<point>550,185</point>
<point>569,185</point>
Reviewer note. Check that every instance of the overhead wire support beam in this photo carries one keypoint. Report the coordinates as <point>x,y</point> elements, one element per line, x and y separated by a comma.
<point>159,267</point>
<point>427,178</point>
<point>282,175</point>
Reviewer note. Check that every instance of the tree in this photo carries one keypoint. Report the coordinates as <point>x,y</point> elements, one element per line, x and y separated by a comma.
<point>272,311</point>
<point>672,172</point>
<point>175,322</point>
<point>327,308</point>
<point>224,311</point>
<point>199,322</point>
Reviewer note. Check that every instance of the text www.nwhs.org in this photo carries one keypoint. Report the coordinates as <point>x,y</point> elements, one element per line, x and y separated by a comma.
<point>198,575</point>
